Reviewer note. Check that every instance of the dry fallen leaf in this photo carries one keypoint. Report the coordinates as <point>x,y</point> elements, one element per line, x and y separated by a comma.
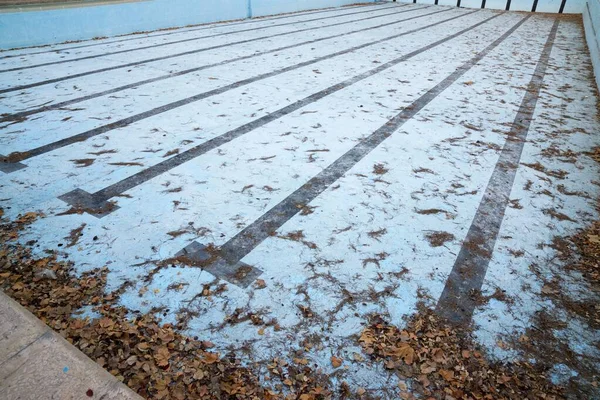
<point>447,375</point>
<point>546,289</point>
<point>336,362</point>
<point>162,356</point>
<point>594,238</point>
<point>438,355</point>
<point>405,352</point>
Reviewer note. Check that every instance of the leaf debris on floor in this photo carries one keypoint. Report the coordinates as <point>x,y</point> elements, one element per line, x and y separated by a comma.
<point>433,360</point>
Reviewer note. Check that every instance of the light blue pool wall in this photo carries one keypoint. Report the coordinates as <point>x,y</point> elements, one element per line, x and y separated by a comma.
<point>40,27</point>
<point>591,24</point>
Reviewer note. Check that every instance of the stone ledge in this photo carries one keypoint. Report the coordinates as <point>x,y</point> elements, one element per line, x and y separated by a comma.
<point>36,362</point>
<point>44,5</point>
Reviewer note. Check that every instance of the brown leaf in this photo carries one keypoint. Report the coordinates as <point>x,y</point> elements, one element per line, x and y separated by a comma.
<point>447,375</point>
<point>143,346</point>
<point>405,352</point>
<point>211,358</point>
<point>594,238</point>
<point>198,375</point>
<point>428,368</point>
<point>336,362</point>
<point>166,336</point>
<point>424,380</point>
<point>260,284</point>
<point>438,355</point>
<point>162,356</point>
<point>106,323</point>
<point>546,289</point>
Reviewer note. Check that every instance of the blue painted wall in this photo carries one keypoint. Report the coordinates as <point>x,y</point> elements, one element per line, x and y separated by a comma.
<point>38,27</point>
<point>591,23</point>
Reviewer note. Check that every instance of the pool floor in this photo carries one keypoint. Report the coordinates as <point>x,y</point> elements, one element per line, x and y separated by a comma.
<point>314,169</point>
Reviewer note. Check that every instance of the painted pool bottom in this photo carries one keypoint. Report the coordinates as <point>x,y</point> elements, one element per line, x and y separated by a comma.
<point>346,173</point>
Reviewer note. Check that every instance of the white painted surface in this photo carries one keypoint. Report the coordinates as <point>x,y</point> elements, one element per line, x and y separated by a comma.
<point>565,110</point>
<point>456,138</point>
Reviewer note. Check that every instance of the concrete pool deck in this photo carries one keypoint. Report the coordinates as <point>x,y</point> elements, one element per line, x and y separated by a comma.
<point>348,162</point>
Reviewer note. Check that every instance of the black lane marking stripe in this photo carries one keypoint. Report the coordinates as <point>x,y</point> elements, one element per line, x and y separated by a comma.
<point>562,6</point>
<point>235,249</point>
<point>180,30</point>
<point>185,53</point>
<point>97,200</point>
<point>468,273</point>
<point>55,106</point>
<point>240,274</point>
<point>153,46</point>
<point>162,109</point>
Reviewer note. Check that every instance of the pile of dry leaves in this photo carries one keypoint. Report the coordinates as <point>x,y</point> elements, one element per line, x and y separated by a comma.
<point>588,251</point>
<point>579,253</point>
<point>583,249</point>
<point>442,362</point>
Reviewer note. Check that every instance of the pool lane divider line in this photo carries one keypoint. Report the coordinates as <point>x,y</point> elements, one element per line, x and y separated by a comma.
<point>459,297</point>
<point>20,116</point>
<point>98,203</point>
<point>225,262</point>
<point>16,157</point>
